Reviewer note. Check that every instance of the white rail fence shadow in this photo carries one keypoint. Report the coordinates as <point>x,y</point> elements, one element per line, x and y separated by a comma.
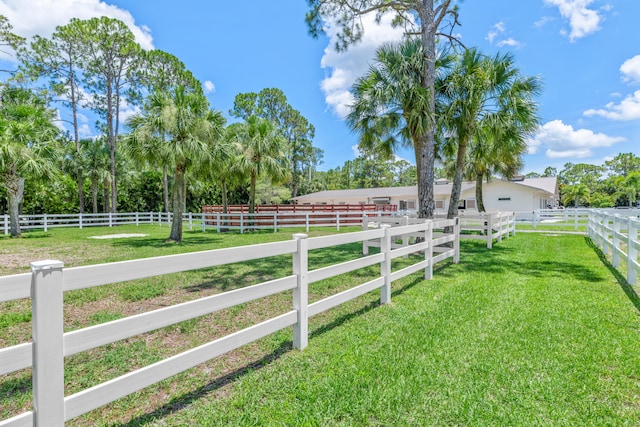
<point>48,281</point>
<point>617,237</point>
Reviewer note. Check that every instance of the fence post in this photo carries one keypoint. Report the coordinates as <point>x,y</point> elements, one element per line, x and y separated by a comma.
<point>456,242</point>
<point>301,292</point>
<point>576,219</point>
<point>190,221</point>
<point>275,222</point>
<point>535,219</point>
<point>385,264</point>
<point>45,223</point>
<point>605,235</point>
<point>365,227</point>
<point>632,252</point>
<point>428,253</point>
<point>337,221</point>
<point>110,219</point>
<point>6,224</point>
<point>489,225</point>
<point>218,222</point>
<point>203,218</point>
<point>48,350</point>
<point>615,256</point>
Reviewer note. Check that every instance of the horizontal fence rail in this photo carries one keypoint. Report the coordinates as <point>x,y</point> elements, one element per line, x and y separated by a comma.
<point>617,237</point>
<point>239,221</point>
<point>478,226</point>
<point>49,279</point>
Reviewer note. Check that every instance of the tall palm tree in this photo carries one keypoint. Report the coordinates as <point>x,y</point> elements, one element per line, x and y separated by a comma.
<point>481,93</point>
<point>27,145</point>
<point>262,154</point>
<point>95,163</point>
<point>191,129</point>
<point>391,108</point>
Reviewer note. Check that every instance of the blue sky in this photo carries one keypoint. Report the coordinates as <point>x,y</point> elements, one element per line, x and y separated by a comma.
<point>585,51</point>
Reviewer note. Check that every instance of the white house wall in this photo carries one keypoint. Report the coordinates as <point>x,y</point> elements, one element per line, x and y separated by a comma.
<point>521,198</point>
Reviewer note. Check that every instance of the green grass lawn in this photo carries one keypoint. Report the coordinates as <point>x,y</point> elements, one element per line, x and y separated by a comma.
<point>537,331</point>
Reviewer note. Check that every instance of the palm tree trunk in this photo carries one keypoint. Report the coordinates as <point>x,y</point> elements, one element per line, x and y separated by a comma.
<point>94,194</point>
<point>15,190</point>
<point>479,200</point>
<point>457,179</point>
<point>252,194</point>
<point>107,195</point>
<point>165,188</point>
<point>81,191</point>
<point>177,198</point>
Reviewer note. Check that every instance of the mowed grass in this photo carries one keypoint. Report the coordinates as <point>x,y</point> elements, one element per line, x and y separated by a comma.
<point>537,331</point>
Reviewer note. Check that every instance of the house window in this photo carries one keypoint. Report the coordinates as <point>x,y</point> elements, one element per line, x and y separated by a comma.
<point>471,204</point>
<point>504,199</point>
<point>411,204</point>
<point>439,204</point>
<point>462,204</point>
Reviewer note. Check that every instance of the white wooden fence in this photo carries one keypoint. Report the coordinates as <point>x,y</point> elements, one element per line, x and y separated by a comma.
<point>480,226</point>
<point>218,221</point>
<point>47,221</point>
<point>48,281</point>
<point>617,236</point>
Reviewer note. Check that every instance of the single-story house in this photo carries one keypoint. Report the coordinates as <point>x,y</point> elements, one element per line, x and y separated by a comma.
<point>518,195</point>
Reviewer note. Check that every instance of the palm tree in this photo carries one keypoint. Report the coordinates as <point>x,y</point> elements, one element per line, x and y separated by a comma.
<point>94,158</point>
<point>630,184</point>
<point>27,145</point>
<point>391,108</point>
<point>191,127</point>
<point>262,154</point>
<point>481,93</point>
<point>575,193</point>
<point>498,147</point>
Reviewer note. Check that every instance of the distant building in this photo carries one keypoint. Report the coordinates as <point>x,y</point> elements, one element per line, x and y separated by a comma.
<point>519,195</point>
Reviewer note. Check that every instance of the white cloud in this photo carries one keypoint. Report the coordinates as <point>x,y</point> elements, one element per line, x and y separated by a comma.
<point>509,42</point>
<point>497,32</point>
<point>627,109</point>
<point>498,29</point>
<point>630,69</point>
<point>31,17</point>
<point>209,87</point>
<point>563,141</point>
<point>345,67</point>
<point>541,22</point>
<point>582,20</point>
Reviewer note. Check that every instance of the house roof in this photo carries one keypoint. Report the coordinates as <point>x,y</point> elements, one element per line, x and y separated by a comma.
<point>545,184</point>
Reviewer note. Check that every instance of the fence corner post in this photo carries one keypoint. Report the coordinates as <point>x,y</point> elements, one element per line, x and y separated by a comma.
<point>48,349</point>
<point>456,242</point>
<point>385,264</point>
<point>632,251</point>
<point>365,227</point>
<point>301,292</point>
<point>489,225</point>
<point>428,252</point>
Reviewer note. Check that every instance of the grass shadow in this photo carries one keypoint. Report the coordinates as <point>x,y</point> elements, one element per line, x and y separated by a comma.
<point>180,402</point>
<point>620,278</point>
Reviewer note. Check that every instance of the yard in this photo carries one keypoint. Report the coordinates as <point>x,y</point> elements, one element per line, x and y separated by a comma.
<point>536,331</point>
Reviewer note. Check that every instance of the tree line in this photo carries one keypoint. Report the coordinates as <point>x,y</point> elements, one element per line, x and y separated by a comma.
<point>175,153</point>
<point>616,183</point>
